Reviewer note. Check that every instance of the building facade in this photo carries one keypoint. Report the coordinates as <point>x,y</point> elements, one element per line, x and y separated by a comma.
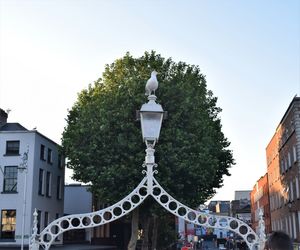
<point>78,200</point>
<point>219,207</point>
<point>241,206</point>
<point>260,200</point>
<point>41,184</point>
<point>283,164</point>
<point>242,195</point>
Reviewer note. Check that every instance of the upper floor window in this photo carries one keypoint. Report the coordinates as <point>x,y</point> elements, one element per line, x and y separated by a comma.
<point>289,159</point>
<point>41,182</point>
<point>10,179</point>
<point>58,188</point>
<point>49,156</point>
<point>60,161</point>
<point>297,187</point>
<point>294,153</point>
<point>42,153</point>
<point>48,184</point>
<point>285,164</point>
<point>12,147</point>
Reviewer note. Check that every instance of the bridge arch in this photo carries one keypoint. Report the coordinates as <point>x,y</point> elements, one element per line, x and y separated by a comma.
<point>149,186</point>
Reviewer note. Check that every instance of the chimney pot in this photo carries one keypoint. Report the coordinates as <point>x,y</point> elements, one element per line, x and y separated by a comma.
<point>3,117</point>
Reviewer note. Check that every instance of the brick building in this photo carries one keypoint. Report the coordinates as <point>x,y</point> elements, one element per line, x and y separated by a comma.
<point>260,200</point>
<point>283,153</point>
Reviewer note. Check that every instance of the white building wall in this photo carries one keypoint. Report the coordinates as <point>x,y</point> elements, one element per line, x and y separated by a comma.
<point>14,201</point>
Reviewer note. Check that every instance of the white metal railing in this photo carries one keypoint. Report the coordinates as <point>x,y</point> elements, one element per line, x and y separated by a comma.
<point>149,186</point>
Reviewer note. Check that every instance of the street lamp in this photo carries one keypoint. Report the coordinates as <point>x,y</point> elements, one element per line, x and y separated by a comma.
<point>151,116</point>
<point>23,168</point>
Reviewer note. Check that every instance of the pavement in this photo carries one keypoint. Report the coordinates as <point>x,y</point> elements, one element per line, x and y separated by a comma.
<point>68,247</point>
<point>84,247</point>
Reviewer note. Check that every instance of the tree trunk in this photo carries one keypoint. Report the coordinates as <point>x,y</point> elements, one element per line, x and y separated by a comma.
<point>134,229</point>
<point>146,225</point>
<point>154,232</point>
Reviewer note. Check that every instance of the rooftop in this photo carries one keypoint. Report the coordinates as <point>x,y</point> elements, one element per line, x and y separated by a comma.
<point>12,127</point>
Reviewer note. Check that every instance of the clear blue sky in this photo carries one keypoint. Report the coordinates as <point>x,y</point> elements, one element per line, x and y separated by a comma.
<point>249,51</point>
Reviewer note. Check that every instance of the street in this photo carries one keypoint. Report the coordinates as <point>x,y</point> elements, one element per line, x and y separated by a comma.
<point>69,247</point>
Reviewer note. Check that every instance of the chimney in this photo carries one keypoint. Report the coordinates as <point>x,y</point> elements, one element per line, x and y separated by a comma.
<point>3,117</point>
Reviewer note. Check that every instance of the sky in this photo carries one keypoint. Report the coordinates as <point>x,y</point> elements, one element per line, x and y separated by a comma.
<point>248,50</point>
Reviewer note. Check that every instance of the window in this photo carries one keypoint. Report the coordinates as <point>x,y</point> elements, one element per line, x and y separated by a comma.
<point>56,228</point>
<point>49,156</point>
<point>290,226</point>
<point>60,161</point>
<point>41,182</point>
<point>42,152</point>
<point>48,184</point>
<point>299,219</point>
<point>289,159</point>
<point>39,217</point>
<point>281,167</point>
<point>58,188</point>
<point>294,225</point>
<point>291,191</point>
<point>12,147</point>
<point>294,153</point>
<point>46,219</point>
<point>10,179</point>
<point>297,188</point>
<point>8,224</point>
<point>46,222</point>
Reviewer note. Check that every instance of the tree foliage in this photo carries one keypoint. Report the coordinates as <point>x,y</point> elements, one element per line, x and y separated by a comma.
<point>103,141</point>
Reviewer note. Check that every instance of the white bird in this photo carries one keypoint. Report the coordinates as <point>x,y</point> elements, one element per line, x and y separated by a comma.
<point>152,84</point>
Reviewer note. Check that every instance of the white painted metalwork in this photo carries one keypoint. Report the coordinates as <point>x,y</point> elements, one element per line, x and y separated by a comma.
<point>149,186</point>
<point>23,168</point>
<point>262,229</point>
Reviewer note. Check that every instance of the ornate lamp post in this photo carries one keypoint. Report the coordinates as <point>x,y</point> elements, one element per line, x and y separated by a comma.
<point>23,168</point>
<point>151,116</point>
<point>262,229</point>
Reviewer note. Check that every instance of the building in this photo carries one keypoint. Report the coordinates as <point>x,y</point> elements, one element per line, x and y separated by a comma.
<point>79,200</point>
<point>283,166</point>
<point>117,233</point>
<point>240,207</point>
<point>260,200</point>
<point>73,194</point>
<point>242,195</point>
<point>219,207</point>
<point>44,178</point>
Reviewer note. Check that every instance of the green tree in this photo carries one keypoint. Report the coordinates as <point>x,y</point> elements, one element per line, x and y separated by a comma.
<point>103,142</point>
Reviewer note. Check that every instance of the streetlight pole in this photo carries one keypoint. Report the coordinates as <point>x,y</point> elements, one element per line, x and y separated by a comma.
<point>23,168</point>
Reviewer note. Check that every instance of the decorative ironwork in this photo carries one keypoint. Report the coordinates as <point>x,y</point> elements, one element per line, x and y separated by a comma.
<point>262,229</point>
<point>149,186</point>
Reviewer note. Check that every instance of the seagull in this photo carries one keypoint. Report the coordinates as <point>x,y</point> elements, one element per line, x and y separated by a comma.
<point>152,84</point>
